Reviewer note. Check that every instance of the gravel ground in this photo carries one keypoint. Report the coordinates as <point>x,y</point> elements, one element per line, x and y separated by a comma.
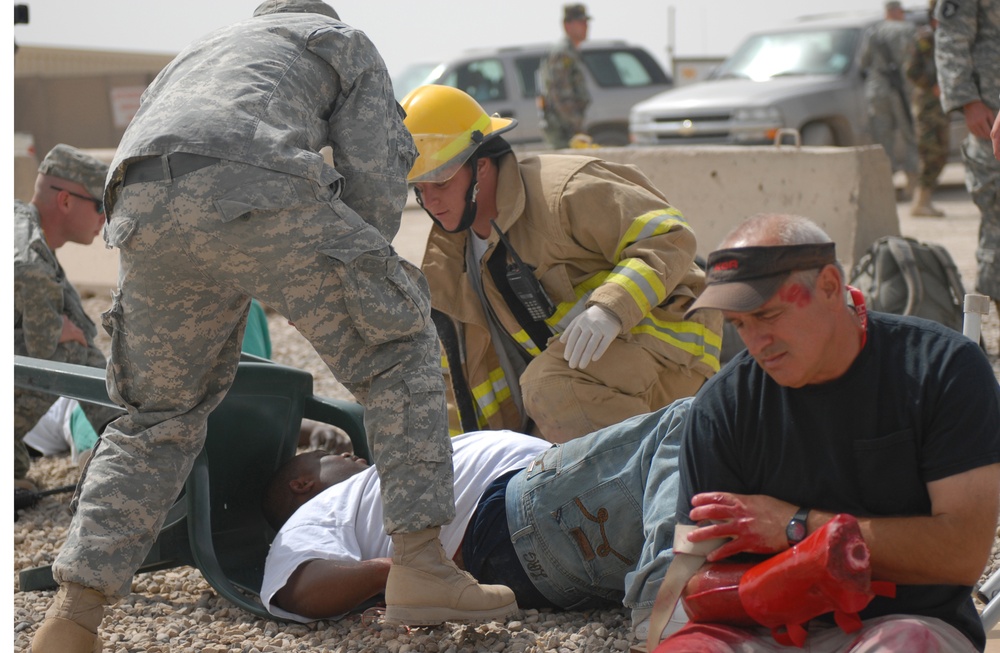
<point>177,611</point>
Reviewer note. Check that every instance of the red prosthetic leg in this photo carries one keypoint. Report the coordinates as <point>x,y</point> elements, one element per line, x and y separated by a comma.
<point>829,571</point>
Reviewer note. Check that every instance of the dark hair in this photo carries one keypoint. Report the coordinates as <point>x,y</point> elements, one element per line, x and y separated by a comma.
<point>278,503</point>
<point>494,148</point>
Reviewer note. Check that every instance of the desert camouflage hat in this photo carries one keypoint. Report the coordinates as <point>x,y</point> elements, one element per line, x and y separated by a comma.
<point>574,12</point>
<point>71,164</point>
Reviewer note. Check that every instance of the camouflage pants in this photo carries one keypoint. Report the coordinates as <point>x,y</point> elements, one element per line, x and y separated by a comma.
<point>982,178</point>
<point>931,125</point>
<point>193,251</point>
<point>890,129</point>
<point>558,131</point>
<point>31,405</point>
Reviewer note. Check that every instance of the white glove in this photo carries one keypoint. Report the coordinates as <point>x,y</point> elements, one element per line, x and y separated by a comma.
<point>587,337</point>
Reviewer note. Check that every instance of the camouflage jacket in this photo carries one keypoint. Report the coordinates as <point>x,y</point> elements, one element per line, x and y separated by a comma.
<point>42,293</point>
<point>921,70</point>
<point>271,91</point>
<point>563,87</point>
<point>968,52</point>
<point>884,54</point>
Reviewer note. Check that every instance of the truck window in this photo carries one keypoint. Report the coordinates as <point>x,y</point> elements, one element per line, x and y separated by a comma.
<point>623,68</point>
<point>483,79</point>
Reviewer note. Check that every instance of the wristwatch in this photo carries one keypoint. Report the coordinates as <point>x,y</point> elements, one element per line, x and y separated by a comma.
<point>796,529</point>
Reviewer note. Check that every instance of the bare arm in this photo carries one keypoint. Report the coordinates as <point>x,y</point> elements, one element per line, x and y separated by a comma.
<point>318,589</point>
<point>949,546</point>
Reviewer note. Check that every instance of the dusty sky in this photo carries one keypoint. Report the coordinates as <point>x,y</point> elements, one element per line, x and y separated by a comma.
<point>427,30</point>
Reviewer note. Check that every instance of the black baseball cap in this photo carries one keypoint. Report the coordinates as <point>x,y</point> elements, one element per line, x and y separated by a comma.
<point>741,279</point>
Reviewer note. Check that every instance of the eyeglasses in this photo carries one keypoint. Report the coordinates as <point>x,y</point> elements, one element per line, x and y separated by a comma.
<point>98,204</point>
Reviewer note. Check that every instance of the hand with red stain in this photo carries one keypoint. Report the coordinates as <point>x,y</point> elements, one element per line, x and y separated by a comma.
<point>754,523</point>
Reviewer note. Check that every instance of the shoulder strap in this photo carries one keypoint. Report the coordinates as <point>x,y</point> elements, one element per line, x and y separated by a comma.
<point>903,253</point>
<point>448,335</point>
<point>951,271</point>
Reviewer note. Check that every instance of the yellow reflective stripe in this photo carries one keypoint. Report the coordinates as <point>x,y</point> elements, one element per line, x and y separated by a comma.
<point>461,141</point>
<point>650,224</point>
<point>527,343</point>
<point>566,311</point>
<point>693,337</point>
<point>641,282</point>
<point>490,393</point>
<point>453,432</point>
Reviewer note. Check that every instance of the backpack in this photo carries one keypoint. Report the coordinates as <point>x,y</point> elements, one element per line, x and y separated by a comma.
<point>907,277</point>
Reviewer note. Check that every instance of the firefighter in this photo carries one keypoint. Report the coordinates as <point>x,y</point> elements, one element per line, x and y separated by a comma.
<point>559,282</point>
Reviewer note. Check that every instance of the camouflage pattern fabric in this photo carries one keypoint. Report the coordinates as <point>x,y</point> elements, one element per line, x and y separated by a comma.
<point>884,55</point>
<point>564,95</point>
<point>269,220</point>
<point>968,63</point>
<point>42,296</point>
<point>930,121</point>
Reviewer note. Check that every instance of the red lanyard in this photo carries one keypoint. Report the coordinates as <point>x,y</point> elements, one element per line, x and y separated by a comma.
<point>859,307</point>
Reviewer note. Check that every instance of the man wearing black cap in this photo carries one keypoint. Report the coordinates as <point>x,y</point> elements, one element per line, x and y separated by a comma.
<point>49,321</point>
<point>564,96</point>
<point>894,420</point>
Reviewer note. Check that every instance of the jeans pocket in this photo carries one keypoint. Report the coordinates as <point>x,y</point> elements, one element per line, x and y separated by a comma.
<point>386,296</point>
<point>600,524</point>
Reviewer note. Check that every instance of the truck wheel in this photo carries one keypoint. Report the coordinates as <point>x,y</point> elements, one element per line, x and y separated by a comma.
<point>818,133</point>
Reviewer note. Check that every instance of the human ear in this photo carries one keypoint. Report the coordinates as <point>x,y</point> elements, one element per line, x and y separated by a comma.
<point>301,485</point>
<point>829,283</point>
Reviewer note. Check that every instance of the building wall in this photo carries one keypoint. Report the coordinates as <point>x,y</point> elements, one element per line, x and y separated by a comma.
<point>83,98</point>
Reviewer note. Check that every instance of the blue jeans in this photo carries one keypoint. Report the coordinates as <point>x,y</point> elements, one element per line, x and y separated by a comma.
<point>592,520</point>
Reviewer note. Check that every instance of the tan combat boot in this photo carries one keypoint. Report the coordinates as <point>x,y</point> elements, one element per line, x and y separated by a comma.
<point>425,588</point>
<point>922,206</point>
<point>71,622</point>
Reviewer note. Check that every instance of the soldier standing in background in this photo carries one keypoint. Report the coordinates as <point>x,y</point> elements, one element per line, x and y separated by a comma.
<point>968,63</point>
<point>219,193</point>
<point>883,58</point>
<point>564,96</point>
<point>931,122</point>
<point>49,320</point>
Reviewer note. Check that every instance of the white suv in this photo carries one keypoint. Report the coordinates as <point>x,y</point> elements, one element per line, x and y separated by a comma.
<point>504,81</point>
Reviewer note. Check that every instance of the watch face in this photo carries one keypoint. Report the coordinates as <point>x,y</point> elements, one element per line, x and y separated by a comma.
<point>796,531</point>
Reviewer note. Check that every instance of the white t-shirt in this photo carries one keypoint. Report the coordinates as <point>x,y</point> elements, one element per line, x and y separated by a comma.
<point>52,434</point>
<point>344,522</point>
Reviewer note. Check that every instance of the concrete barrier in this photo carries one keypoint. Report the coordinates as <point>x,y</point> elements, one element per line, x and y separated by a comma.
<point>848,191</point>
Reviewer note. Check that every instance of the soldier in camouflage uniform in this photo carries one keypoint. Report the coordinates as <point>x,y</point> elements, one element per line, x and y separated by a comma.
<point>883,57</point>
<point>564,96</point>
<point>931,122</point>
<point>49,320</point>
<point>218,192</point>
<point>968,63</point>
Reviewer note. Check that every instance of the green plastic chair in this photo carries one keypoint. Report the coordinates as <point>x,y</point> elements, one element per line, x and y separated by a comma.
<point>216,525</point>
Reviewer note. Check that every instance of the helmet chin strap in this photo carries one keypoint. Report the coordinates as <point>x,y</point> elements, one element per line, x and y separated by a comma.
<point>469,214</point>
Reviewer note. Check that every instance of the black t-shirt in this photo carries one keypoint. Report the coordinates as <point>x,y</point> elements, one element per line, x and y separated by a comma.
<point>920,403</point>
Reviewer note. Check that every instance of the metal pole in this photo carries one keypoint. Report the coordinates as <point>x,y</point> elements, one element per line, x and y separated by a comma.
<point>976,306</point>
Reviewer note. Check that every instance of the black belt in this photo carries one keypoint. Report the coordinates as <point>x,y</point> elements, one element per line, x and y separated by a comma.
<point>169,166</point>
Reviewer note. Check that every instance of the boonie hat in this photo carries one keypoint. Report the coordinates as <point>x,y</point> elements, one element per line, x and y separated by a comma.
<point>741,279</point>
<point>574,12</point>
<point>71,164</point>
